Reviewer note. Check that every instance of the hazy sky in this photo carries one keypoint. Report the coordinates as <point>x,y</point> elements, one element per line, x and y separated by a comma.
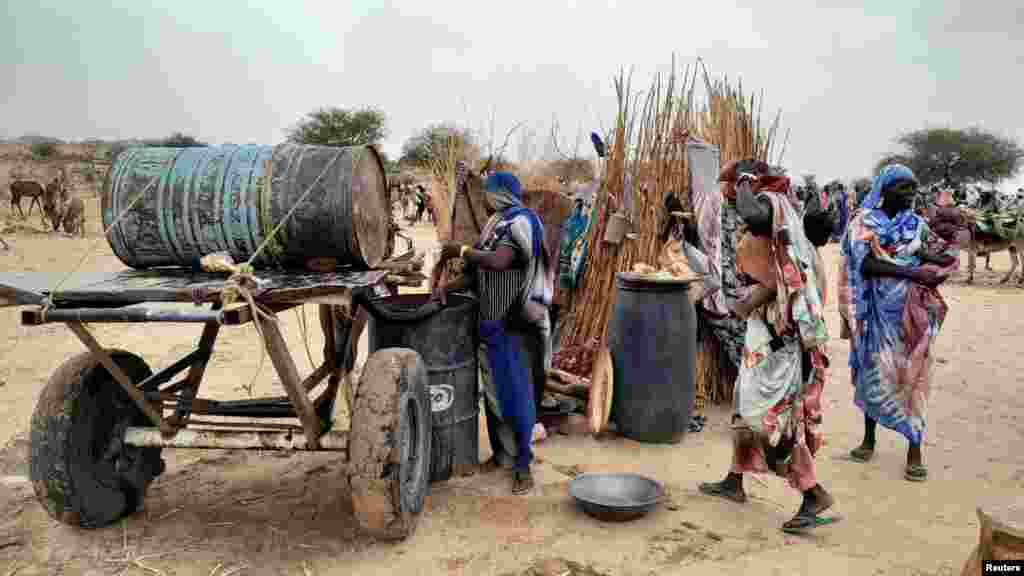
<point>848,76</point>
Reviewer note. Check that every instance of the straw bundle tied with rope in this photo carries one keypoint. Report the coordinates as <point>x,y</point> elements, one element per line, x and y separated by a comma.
<point>648,145</point>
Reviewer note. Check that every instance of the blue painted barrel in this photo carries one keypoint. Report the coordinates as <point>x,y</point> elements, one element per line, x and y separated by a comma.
<point>197,201</point>
<point>652,337</point>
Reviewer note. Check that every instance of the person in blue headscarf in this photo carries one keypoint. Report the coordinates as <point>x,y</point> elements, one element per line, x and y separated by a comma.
<point>891,267</point>
<point>514,280</point>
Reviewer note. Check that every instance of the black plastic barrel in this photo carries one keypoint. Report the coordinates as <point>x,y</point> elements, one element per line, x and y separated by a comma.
<point>171,206</point>
<point>446,338</point>
<point>652,338</point>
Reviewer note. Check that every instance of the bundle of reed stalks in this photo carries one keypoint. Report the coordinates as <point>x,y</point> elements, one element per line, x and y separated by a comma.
<point>648,145</point>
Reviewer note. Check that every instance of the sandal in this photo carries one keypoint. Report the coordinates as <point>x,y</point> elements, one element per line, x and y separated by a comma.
<point>916,473</point>
<point>720,490</point>
<point>802,524</point>
<point>862,454</point>
<point>522,482</point>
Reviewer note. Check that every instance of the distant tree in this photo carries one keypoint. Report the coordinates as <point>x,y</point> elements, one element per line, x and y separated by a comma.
<point>968,156</point>
<point>89,173</point>
<point>178,140</point>
<point>44,149</point>
<point>341,127</point>
<point>437,146</point>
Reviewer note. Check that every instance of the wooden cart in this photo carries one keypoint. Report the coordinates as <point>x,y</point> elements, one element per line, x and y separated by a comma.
<point>104,416</point>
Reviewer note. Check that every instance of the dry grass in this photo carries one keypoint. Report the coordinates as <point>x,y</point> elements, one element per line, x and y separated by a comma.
<point>648,145</point>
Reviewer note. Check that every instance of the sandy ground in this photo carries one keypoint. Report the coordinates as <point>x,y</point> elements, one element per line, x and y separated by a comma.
<point>273,513</point>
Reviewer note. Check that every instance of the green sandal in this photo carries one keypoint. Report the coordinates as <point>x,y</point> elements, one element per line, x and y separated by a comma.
<point>916,473</point>
<point>804,524</point>
<point>862,454</point>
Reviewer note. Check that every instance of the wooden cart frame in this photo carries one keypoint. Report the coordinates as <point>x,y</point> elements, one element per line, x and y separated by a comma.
<point>104,416</point>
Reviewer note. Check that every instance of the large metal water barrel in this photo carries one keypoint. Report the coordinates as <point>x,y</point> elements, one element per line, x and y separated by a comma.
<point>652,338</point>
<point>230,198</point>
<point>446,338</point>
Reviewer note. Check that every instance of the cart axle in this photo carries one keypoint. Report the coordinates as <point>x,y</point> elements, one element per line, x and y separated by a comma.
<point>332,441</point>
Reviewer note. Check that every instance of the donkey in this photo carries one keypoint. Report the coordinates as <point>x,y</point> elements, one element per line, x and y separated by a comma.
<point>986,244</point>
<point>26,188</point>
<point>73,217</point>
<point>55,199</point>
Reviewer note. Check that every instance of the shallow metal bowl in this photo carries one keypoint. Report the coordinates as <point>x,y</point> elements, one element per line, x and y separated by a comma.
<point>616,496</point>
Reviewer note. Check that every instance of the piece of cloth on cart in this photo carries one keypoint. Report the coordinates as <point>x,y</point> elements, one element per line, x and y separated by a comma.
<point>893,321</point>
<point>785,361</point>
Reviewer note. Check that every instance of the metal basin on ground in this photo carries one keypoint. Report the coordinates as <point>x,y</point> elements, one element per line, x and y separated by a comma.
<point>616,496</point>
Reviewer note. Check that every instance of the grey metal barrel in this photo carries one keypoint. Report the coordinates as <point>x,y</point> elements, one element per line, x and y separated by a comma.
<point>196,201</point>
<point>446,338</point>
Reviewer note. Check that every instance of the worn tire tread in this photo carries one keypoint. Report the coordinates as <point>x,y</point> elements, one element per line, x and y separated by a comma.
<point>388,375</point>
<point>51,453</point>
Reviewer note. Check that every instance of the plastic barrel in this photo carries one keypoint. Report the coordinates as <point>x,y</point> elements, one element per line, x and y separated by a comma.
<point>196,201</point>
<point>652,338</point>
<point>446,338</point>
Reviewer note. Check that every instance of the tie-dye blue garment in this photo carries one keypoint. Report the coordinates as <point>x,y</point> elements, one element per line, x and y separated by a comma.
<point>893,321</point>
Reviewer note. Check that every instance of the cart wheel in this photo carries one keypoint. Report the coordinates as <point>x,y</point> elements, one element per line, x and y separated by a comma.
<point>389,444</point>
<point>81,471</point>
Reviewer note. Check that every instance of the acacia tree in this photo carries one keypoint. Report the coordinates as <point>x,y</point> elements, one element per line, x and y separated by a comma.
<point>970,155</point>
<point>341,127</point>
<point>178,140</point>
<point>432,146</point>
<point>438,148</point>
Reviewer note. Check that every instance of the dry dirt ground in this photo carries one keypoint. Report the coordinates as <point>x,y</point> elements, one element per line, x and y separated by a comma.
<point>277,513</point>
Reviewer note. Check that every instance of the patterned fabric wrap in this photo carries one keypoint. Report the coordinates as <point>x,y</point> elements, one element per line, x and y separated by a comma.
<point>893,321</point>
<point>778,394</point>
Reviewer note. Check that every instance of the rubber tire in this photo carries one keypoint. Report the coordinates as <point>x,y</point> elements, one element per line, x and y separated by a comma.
<point>72,423</point>
<point>389,485</point>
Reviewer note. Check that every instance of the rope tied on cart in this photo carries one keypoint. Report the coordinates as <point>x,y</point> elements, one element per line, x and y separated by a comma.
<point>243,282</point>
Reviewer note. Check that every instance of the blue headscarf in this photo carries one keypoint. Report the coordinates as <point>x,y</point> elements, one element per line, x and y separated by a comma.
<point>889,175</point>
<point>903,225</point>
<point>506,186</point>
